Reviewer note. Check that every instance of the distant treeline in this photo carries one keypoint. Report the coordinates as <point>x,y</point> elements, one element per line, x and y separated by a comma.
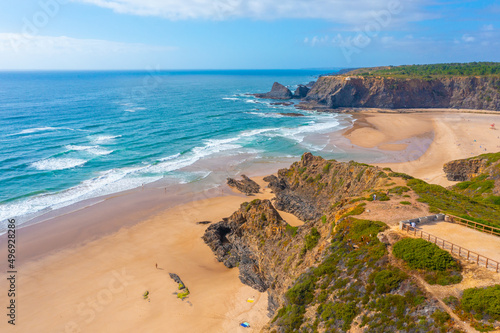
<point>452,69</point>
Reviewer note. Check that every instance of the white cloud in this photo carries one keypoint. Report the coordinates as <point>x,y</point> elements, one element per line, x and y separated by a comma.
<point>468,38</point>
<point>488,27</point>
<point>20,51</point>
<point>340,11</point>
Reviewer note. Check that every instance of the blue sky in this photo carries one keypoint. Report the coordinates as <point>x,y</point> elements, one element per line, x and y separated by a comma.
<point>244,34</point>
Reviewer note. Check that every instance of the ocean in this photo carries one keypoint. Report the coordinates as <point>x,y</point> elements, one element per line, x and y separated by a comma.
<point>72,136</point>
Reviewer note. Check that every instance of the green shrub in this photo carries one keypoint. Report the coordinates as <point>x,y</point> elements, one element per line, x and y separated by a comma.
<point>291,317</point>
<point>443,278</point>
<point>440,316</point>
<point>292,231</point>
<point>360,209</point>
<point>399,190</point>
<point>388,280</point>
<point>482,301</point>
<point>400,175</point>
<point>451,301</point>
<point>326,168</point>
<point>379,196</point>
<point>302,293</point>
<point>312,239</point>
<point>405,203</point>
<point>323,219</point>
<point>421,254</point>
<point>494,199</point>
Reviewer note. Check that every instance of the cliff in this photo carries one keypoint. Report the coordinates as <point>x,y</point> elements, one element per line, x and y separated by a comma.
<point>387,92</point>
<point>335,273</point>
<point>479,176</point>
<point>310,186</point>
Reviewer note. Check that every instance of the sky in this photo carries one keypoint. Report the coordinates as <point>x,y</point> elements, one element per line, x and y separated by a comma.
<point>244,34</point>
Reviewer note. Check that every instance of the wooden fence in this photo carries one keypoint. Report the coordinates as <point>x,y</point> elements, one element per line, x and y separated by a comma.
<point>454,248</point>
<point>474,225</point>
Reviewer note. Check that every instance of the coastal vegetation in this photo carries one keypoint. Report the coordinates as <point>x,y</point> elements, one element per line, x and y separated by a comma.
<point>443,200</point>
<point>479,306</point>
<point>436,265</point>
<point>354,287</point>
<point>435,70</point>
<point>481,187</point>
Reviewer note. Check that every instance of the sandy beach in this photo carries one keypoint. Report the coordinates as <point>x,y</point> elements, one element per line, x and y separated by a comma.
<point>90,277</point>
<point>454,136</point>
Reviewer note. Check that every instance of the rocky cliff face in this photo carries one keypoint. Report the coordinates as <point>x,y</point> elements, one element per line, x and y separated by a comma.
<point>480,176</point>
<point>311,185</point>
<point>462,170</point>
<point>378,92</point>
<point>257,241</point>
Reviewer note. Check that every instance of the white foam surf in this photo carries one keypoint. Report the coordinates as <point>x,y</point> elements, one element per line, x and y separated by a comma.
<point>43,129</point>
<point>100,139</point>
<point>53,164</point>
<point>95,150</point>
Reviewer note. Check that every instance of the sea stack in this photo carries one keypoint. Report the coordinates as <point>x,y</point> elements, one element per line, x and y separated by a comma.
<point>278,91</point>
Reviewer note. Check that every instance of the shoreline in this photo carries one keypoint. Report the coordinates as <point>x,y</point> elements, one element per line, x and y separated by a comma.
<point>453,136</point>
<point>135,229</point>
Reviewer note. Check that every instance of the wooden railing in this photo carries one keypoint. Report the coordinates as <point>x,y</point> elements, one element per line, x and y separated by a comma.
<point>474,225</point>
<point>454,248</point>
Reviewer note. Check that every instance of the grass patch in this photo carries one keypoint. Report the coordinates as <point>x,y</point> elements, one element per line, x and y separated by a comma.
<point>437,265</point>
<point>400,175</point>
<point>443,200</point>
<point>405,203</point>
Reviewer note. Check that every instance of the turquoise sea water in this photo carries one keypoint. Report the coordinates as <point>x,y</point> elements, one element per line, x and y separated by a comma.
<point>71,136</point>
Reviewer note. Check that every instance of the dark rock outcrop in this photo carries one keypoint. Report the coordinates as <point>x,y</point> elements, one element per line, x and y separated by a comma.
<point>246,185</point>
<point>237,241</point>
<point>309,186</point>
<point>481,172</point>
<point>178,280</point>
<point>291,114</point>
<point>278,91</point>
<point>301,91</point>
<point>282,103</point>
<point>344,91</point>
<point>462,170</point>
